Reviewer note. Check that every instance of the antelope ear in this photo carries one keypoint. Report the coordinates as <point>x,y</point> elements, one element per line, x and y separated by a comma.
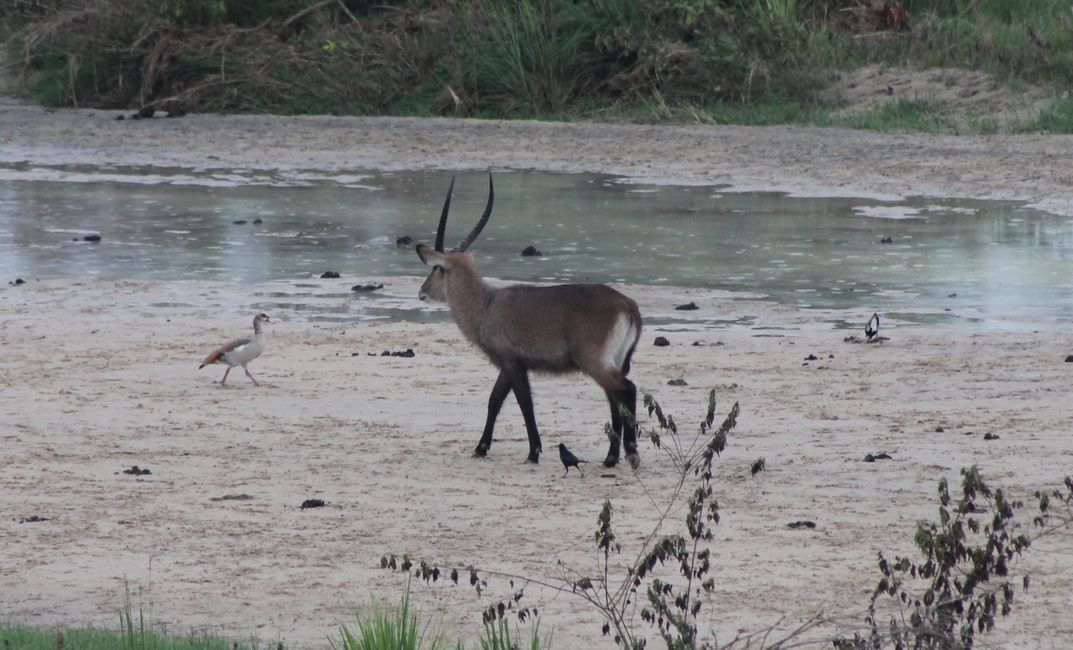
<point>431,256</point>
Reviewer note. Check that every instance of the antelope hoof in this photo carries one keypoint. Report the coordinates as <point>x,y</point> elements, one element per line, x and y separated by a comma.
<point>635,460</point>
<point>611,460</point>
<point>480,452</point>
<point>534,456</point>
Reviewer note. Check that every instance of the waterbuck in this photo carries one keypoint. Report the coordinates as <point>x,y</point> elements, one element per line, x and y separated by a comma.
<point>570,327</point>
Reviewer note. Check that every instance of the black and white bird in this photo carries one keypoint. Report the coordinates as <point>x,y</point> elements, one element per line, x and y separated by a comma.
<point>570,460</point>
<point>240,352</point>
<point>871,330</point>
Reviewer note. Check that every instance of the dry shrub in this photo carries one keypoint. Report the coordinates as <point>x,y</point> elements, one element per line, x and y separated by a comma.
<point>116,54</point>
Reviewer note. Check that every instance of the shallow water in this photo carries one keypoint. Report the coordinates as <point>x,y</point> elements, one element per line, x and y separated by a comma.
<point>946,261</point>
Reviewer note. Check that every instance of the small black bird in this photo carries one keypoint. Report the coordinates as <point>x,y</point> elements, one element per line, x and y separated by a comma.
<point>569,460</point>
<point>872,330</point>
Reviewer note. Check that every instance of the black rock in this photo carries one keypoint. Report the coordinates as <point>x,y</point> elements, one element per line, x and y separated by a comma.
<point>257,222</point>
<point>677,382</point>
<point>239,222</point>
<point>811,357</point>
<point>92,238</point>
<point>991,436</point>
<point>804,523</point>
<point>661,342</point>
<point>329,275</point>
<point>939,430</point>
<point>689,306</point>
<point>32,519</point>
<point>530,251</point>
<point>137,471</point>
<point>408,353</point>
<point>233,497</point>
<point>312,503</point>
<point>1069,359</point>
<point>887,240</point>
<point>405,240</point>
<point>363,288</point>
<point>952,295</point>
<point>871,458</point>
<point>18,281</point>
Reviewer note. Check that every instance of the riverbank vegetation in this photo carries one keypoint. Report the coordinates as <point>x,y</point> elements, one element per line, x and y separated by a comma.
<point>742,61</point>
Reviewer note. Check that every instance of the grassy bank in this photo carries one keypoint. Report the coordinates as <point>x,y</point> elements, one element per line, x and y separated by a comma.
<point>750,61</point>
<point>739,61</point>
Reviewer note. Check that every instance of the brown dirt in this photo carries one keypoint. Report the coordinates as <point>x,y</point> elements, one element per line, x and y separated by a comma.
<point>94,379</point>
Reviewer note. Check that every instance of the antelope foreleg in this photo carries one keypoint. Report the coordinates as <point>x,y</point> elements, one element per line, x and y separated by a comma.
<point>495,402</point>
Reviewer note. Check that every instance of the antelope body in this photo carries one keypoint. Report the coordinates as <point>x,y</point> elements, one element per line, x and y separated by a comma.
<point>571,327</point>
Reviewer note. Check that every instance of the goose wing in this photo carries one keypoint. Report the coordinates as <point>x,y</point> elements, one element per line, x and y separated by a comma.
<point>224,349</point>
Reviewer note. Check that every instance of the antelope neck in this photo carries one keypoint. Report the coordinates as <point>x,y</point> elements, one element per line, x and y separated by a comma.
<point>466,294</point>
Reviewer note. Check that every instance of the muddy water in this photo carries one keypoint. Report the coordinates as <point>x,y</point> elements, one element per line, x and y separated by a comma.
<point>921,260</point>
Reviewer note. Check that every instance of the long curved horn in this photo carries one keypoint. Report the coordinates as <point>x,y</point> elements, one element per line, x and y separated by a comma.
<point>484,218</point>
<point>442,228</point>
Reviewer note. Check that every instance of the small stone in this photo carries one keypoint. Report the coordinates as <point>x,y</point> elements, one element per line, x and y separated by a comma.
<point>18,281</point>
<point>871,458</point>
<point>952,295</point>
<point>887,240</point>
<point>365,288</point>
<point>689,306</point>
<point>329,275</point>
<point>990,435</point>
<point>677,382</point>
<point>811,357</point>
<point>940,430</point>
<point>312,503</point>
<point>531,251</point>
<point>32,519</point>
<point>257,222</point>
<point>239,222</point>
<point>1069,359</point>
<point>661,342</point>
<point>92,238</point>
<point>405,240</point>
<point>804,523</point>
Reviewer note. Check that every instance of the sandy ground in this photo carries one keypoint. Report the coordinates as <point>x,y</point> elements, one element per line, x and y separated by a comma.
<point>97,377</point>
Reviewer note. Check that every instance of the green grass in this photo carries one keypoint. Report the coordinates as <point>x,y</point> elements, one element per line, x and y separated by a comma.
<point>1056,118</point>
<point>922,115</point>
<point>395,628</point>
<point>21,637</point>
<point>499,635</point>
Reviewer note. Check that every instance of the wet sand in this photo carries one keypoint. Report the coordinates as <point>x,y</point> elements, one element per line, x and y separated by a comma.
<point>97,377</point>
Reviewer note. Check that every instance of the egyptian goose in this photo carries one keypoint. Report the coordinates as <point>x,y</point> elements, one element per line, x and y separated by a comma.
<point>240,351</point>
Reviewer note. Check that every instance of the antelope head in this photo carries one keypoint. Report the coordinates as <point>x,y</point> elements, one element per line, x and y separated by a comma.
<point>454,262</point>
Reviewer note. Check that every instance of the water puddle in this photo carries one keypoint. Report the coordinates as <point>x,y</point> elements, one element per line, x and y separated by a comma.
<point>921,260</point>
